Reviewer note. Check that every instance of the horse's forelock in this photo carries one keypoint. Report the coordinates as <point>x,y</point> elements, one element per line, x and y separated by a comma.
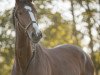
<point>23,2</point>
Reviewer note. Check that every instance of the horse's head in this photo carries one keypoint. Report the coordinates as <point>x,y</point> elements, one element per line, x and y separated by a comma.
<point>25,15</point>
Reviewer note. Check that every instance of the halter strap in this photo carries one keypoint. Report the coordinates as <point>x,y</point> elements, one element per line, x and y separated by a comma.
<point>21,25</point>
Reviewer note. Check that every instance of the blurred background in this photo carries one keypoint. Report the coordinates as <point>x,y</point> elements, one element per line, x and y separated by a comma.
<point>61,21</point>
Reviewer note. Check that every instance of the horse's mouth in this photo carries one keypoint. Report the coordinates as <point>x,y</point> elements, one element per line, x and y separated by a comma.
<point>34,38</point>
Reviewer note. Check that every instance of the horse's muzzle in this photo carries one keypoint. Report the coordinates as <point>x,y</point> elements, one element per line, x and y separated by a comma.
<point>36,38</point>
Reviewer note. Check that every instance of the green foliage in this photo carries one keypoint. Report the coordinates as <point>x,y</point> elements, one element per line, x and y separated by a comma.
<point>59,30</point>
<point>6,43</point>
<point>97,60</point>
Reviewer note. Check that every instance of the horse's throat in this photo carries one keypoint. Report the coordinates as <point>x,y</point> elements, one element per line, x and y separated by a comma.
<point>23,50</point>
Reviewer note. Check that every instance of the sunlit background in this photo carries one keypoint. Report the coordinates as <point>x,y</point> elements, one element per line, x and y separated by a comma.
<point>61,21</point>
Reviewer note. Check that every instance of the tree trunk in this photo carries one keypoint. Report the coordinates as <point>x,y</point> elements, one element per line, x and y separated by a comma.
<point>74,24</point>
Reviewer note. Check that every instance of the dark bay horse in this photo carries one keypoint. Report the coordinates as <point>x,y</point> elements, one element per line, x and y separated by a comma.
<point>32,59</point>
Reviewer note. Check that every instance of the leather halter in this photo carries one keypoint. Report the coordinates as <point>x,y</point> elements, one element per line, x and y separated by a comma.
<point>20,24</point>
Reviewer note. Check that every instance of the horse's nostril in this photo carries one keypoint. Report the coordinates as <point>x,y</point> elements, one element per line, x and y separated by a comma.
<point>36,37</point>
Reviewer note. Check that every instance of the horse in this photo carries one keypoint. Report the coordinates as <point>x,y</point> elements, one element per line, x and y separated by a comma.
<point>33,59</point>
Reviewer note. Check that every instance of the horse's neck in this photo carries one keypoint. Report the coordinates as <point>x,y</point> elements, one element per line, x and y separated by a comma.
<point>23,50</point>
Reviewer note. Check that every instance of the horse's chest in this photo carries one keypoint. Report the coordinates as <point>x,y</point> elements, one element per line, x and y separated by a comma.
<point>38,70</point>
